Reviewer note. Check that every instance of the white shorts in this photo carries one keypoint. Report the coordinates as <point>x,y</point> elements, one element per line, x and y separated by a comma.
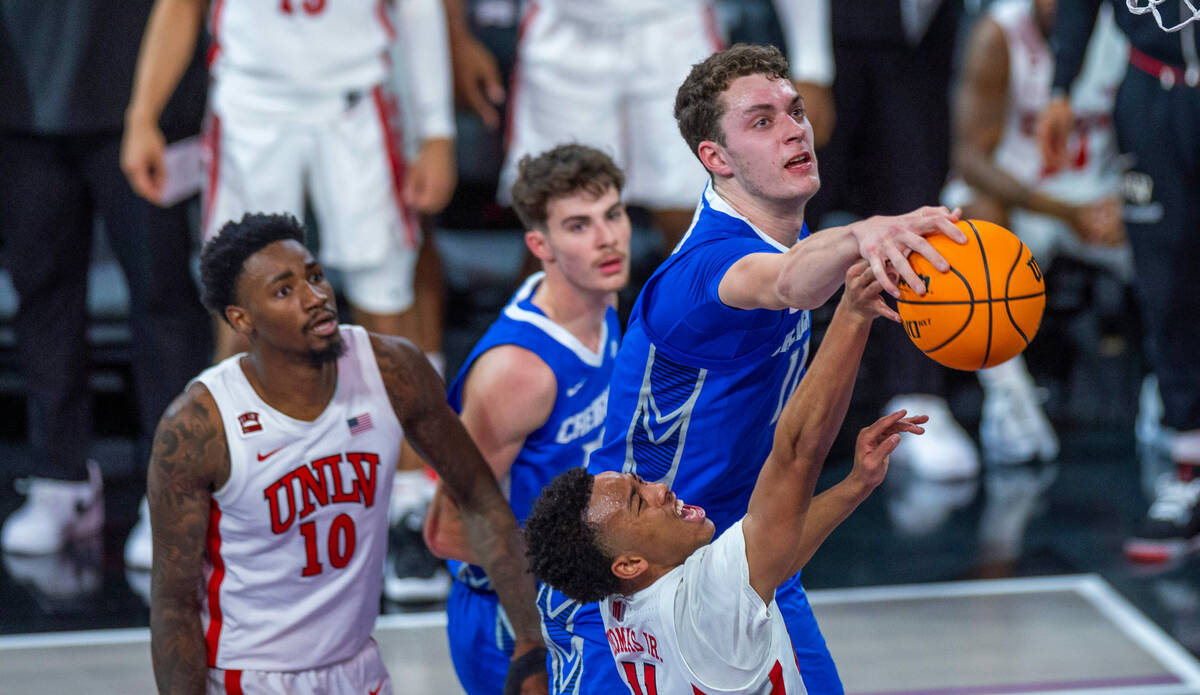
<point>345,152</point>
<point>363,673</point>
<point>611,86</point>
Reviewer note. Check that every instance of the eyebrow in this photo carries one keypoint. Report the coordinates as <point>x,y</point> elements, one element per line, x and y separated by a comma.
<point>632,493</point>
<point>282,276</point>
<point>575,218</point>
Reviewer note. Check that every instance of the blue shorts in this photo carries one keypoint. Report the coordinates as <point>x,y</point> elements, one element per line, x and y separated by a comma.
<point>481,641</point>
<point>580,660</point>
<point>812,656</point>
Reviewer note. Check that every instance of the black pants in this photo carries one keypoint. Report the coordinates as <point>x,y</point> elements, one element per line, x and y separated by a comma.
<point>889,154</point>
<point>1162,217</point>
<point>50,190</point>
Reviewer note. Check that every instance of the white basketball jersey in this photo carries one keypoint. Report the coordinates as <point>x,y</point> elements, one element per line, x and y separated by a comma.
<point>296,47</point>
<point>1092,144</point>
<point>702,630</point>
<point>297,535</point>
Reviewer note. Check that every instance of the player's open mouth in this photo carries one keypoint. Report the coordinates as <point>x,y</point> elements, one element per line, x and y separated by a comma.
<point>324,326</point>
<point>612,265</point>
<point>801,162</point>
<point>688,512</point>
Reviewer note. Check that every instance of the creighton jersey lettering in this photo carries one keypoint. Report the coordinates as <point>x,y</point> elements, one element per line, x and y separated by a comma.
<point>298,529</point>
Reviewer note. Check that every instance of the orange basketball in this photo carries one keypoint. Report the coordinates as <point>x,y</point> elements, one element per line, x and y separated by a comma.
<point>985,309</point>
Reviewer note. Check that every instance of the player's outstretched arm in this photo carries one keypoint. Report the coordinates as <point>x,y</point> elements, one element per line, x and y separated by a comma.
<point>190,459</point>
<point>167,49</point>
<point>808,274</point>
<point>508,395</point>
<point>438,436</point>
<point>774,522</point>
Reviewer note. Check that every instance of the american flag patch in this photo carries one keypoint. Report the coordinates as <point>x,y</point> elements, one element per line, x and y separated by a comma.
<point>360,423</point>
<point>618,611</point>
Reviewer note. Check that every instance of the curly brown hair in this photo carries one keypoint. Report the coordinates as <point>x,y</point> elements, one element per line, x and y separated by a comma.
<point>698,104</point>
<point>561,171</point>
<point>564,549</point>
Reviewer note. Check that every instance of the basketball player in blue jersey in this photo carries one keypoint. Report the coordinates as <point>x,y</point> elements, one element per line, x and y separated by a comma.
<point>718,337</point>
<point>534,391</point>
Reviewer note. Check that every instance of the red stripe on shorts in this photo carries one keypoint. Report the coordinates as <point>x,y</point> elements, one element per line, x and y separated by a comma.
<point>385,107</point>
<point>214,31</point>
<point>212,143</point>
<point>714,33</point>
<point>233,683</point>
<point>214,586</point>
<point>381,12</point>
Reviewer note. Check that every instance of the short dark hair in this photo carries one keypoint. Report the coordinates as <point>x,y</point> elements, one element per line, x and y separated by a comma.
<point>561,171</point>
<point>698,106</point>
<point>224,256</point>
<point>564,548</point>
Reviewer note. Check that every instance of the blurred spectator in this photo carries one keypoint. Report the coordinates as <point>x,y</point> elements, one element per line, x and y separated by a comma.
<point>894,61</point>
<point>605,73</point>
<point>1001,177</point>
<point>65,72</point>
<point>302,105</point>
<point>1155,117</point>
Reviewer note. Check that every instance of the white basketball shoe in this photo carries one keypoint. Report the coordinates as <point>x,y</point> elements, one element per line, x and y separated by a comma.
<point>54,513</point>
<point>945,452</point>
<point>1014,428</point>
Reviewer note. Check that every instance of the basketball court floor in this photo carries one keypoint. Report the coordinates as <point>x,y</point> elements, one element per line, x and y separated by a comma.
<point>1047,635</point>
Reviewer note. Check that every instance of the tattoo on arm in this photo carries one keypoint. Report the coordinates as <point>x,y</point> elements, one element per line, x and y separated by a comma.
<point>190,459</point>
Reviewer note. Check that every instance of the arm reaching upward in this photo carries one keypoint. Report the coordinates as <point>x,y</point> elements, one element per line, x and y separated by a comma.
<point>190,459</point>
<point>775,521</point>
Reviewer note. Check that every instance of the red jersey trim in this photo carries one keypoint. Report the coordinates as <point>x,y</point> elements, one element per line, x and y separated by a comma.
<point>213,637</point>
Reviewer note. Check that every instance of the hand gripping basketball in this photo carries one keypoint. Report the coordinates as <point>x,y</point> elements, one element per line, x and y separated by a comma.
<point>985,309</point>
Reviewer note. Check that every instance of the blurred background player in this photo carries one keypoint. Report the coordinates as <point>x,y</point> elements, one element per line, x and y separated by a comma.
<point>895,59</point>
<point>302,108</point>
<point>266,478</point>
<point>1155,117</point>
<point>686,614</point>
<point>726,310</point>
<point>65,70</point>
<point>603,74</point>
<point>533,393</point>
<point>1000,177</point>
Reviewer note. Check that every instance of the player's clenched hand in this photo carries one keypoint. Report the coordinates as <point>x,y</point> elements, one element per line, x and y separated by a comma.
<point>1053,130</point>
<point>862,294</point>
<point>142,148</point>
<point>877,442</point>
<point>431,178</point>
<point>882,240</point>
<point>477,79</point>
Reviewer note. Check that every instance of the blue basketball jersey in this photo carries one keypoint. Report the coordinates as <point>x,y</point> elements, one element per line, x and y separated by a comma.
<point>698,385</point>
<point>481,639</point>
<point>695,395</point>
<point>576,424</point>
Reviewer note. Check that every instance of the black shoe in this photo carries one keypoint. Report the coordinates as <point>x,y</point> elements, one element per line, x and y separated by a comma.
<point>1172,526</point>
<point>412,574</point>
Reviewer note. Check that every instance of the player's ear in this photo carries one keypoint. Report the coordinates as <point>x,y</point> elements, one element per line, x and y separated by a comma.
<point>628,567</point>
<point>239,319</point>
<point>712,156</point>
<point>538,244</point>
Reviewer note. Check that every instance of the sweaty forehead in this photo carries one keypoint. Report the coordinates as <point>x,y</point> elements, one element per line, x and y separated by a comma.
<point>610,495</point>
<point>749,91</point>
